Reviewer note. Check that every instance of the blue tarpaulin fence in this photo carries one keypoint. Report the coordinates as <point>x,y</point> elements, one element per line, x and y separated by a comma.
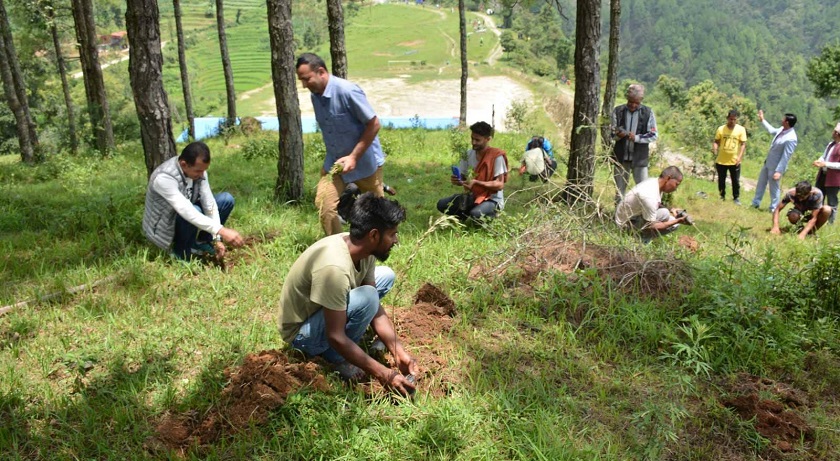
<point>206,127</point>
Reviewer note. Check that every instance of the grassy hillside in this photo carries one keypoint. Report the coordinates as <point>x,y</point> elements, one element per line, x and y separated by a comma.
<point>570,340</point>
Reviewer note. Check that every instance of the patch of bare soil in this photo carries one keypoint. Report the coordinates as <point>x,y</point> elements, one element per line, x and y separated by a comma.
<point>235,256</point>
<point>423,328</point>
<point>772,406</point>
<point>261,384</point>
<point>264,380</point>
<point>491,98</point>
<point>689,243</point>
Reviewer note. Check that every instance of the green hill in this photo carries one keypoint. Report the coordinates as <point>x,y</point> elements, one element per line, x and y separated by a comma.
<point>757,49</point>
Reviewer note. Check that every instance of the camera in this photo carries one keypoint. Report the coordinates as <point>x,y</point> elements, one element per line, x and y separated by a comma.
<point>688,220</point>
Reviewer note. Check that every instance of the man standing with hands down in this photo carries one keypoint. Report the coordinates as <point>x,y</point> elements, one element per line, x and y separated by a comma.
<point>729,146</point>
<point>781,150</point>
<point>349,127</point>
<point>332,294</point>
<point>634,128</point>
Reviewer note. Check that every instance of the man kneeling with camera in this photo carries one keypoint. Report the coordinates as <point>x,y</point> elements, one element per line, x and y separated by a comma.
<point>641,208</point>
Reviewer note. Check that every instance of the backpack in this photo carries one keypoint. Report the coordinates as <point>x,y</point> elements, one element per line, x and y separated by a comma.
<point>534,161</point>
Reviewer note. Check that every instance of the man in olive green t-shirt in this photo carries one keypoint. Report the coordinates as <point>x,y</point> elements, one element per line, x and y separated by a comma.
<point>729,146</point>
<point>332,294</point>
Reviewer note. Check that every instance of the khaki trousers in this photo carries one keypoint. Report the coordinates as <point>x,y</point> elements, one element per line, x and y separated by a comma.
<point>328,192</point>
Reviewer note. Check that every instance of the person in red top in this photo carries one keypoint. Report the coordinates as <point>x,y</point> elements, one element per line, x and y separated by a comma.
<point>828,178</point>
<point>483,194</point>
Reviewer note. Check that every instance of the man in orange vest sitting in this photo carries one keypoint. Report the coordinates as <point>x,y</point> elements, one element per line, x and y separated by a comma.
<point>483,195</point>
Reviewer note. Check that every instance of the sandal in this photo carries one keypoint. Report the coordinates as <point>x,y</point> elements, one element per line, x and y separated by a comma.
<point>349,372</point>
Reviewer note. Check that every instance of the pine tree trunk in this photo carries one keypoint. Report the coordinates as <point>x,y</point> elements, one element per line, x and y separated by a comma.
<point>581,166</point>
<point>97,98</point>
<point>182,63</point>
<point>465,68</point>
<point>15,91</point>
<point>338,51</point>
<point>145,65</point>
<point>65,86</point>
<point>229,90</point>
<point>612,74</point>
<point>290,160</point>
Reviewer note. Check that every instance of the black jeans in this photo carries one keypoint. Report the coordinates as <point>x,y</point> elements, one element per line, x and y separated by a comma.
<point>735,173</point>
<point>463,207</point>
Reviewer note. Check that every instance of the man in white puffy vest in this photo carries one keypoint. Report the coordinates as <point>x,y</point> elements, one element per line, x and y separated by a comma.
<point>182,214</point>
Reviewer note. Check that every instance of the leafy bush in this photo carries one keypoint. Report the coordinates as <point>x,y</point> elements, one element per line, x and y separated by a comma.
<point>260,147</point>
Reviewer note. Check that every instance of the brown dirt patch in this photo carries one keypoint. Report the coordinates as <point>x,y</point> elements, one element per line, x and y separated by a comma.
<point>689,243</point>
<point>773,408</point>
<point>413,43</point>
<point>423,328</point>
<point>261,384</point>
<point>264,380</point>
<point>235,256</point>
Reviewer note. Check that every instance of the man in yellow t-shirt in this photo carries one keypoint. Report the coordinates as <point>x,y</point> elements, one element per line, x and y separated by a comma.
<point>729,146</point>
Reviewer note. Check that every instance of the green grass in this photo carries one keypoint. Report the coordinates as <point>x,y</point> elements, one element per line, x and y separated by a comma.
<point>572,368</point>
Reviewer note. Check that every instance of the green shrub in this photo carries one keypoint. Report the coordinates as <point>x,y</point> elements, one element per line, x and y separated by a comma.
<point>261,146</point>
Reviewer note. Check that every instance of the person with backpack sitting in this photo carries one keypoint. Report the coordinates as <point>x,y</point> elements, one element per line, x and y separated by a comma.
<point>538,160</point>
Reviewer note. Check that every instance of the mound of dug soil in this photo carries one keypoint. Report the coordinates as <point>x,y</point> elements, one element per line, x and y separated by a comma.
<point>772,405</point>
<point>258,386</point>
<point>423,328</point>
<point>264,380</point>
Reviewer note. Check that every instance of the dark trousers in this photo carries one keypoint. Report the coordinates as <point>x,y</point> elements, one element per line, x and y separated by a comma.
<point>463,207</point>
<point>831,200</point>
<point>735,174</point>
<point>186,234</point>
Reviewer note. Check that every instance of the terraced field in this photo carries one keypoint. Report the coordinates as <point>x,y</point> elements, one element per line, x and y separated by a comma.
<point>382,41</point>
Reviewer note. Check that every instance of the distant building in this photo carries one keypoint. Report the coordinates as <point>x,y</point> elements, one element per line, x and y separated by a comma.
<point>113,41</point>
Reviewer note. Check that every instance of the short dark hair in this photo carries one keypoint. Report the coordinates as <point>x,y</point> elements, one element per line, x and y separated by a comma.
<point>313,60</point>
<point>733,113</point>
<point>537,142</point>
<point>803,188</point>
<point>672,172</point>
<point>482,128</point>
<point>193,151</point>
<point>372,212</point>
<point>791,119</point>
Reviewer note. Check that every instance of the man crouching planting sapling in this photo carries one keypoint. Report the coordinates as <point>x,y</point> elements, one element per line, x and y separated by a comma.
<point>332,294</point>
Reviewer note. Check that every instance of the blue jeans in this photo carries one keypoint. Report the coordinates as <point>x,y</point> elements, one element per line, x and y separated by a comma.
<point>765,178</point>
<point>186,234</point>
<point>362,306</point>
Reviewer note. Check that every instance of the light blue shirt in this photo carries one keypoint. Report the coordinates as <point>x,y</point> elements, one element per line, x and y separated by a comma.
<point>342,112</point>
<point>781,148</point>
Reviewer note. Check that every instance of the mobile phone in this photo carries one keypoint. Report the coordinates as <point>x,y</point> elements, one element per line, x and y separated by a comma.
<point>456,172</point>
